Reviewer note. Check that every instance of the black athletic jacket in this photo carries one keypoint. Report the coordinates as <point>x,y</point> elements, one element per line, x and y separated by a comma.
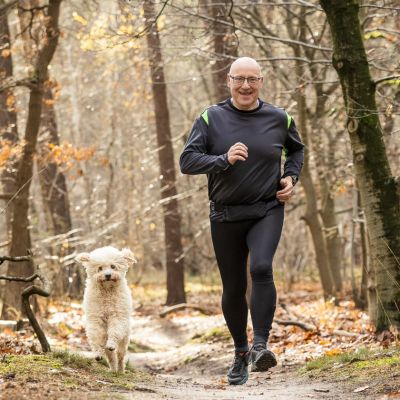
<point>266,131</point>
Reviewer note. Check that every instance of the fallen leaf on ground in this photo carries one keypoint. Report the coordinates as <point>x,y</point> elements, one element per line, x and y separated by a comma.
<point>360,389</point>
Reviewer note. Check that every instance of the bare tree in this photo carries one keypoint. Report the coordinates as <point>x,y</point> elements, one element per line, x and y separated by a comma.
<point>21,240</point>
<point>52,181</point>
<point>225,45</point>
<point>379,190</point>
<point>8,115</point>
<point>172,220</point>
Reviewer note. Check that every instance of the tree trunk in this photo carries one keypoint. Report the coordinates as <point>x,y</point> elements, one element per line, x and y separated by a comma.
<point>55,196</point>
<point>8,115</point>
<point>172,221</point>
<point>225,46</point>
<point>21,242</point>
<point>365,274</point>
<point>331,228</point>
<point>52,181</point>
<point>311,215</point>
<point>377,185</point>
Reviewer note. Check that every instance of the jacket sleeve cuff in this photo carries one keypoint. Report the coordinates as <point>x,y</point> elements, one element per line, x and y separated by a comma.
<point>227,164</point>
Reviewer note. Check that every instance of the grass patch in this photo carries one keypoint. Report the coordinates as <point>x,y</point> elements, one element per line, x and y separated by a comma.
<point>377,369</point>
<point>135,347</point>
<point>72,360</point>
<point>217,334</point>
<point>22,365</point>
<point>327,361</point>
<point>64,371</point>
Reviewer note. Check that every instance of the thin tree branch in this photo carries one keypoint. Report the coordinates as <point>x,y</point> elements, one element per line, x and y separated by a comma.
<point>5,7</point>
<point>28,292</point>
<point>387,78</point>
<point>18,278</point>
<point>10,83</point>
<point>15,259</point>
<point>273,38</point>
<point>33,9</point>
<point>150,25</point>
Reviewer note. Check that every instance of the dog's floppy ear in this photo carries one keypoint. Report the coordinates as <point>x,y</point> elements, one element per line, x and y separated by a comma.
<point>128,256</point>
<point>83,258</point>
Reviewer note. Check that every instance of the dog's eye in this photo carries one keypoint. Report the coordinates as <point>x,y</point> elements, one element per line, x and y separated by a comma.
<point>113,266</point>
<point>100,268</point>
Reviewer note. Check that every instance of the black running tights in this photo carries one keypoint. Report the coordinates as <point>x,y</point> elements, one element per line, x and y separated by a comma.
<point>233,241</point>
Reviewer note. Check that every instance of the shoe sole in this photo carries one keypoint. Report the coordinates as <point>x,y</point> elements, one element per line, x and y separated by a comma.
<point>264,362</point>
<point>241,382</point>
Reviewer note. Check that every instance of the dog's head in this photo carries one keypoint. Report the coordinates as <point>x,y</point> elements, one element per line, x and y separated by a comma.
<point>106,264</point>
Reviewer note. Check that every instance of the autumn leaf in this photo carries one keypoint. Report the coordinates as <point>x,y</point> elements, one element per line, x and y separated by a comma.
<point>79,18</point>
<point>10,102</point>
<point>333,352</point>
<point>161,22</point>
<point>6,53</point>
<point>49,102</point>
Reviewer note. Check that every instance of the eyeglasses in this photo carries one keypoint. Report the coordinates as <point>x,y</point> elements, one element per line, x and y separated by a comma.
<point>239,80</point>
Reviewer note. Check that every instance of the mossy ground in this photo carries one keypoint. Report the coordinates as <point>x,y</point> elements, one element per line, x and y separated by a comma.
<point>217,334</point>
<point>60,372</point>
<point>379,369</point>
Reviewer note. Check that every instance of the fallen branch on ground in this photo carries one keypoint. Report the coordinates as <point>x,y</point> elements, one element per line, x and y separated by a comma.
<point>339,332</point>
<point>28,292</point>
<point>182,306</point>
<point>45,292</point>
<point>302,325</point>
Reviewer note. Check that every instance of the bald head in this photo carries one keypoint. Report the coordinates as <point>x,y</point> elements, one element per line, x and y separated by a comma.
<point>244,81</point>
<point>245,63</point>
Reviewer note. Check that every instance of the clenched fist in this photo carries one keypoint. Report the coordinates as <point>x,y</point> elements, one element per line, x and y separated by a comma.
<point>287,190</point>
<point>237,152</point>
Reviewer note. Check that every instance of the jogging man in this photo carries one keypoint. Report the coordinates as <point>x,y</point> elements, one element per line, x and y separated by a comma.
<point>238,143</point>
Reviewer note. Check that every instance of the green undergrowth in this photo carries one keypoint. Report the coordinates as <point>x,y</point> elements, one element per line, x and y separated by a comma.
<point>62,370</point>
<point>217,334</point>
<point>136,347</point>
<point>374,367</point>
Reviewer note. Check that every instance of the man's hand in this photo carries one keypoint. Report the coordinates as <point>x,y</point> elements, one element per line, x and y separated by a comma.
<point>287,190</point>
<point>237,152</point>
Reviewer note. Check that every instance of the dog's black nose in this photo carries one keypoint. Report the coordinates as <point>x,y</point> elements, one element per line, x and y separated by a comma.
<point>107,276</point>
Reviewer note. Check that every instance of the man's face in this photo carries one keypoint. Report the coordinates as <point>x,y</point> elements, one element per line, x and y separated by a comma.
<point>244,94</point>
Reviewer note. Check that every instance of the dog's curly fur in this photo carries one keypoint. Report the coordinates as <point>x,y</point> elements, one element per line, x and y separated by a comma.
<point>107,303</point>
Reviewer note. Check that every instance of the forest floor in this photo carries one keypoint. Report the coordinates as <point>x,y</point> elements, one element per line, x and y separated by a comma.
<point>185,355</point>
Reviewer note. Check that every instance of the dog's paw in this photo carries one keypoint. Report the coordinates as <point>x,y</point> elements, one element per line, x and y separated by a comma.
<point>111,346</point>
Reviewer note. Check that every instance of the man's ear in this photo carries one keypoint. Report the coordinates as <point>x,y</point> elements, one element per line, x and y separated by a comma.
<point>227,81</point>
<point>128,256</point>
<point>83,258</point>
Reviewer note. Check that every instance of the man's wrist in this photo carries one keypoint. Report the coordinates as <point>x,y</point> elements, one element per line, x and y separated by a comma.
<point>226,159</point>
<point>294,178</point>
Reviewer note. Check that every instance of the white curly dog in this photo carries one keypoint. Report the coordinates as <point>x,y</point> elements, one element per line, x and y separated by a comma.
<point>107,303</point>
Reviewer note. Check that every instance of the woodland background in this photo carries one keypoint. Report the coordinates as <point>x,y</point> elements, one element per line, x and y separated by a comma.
<point>90,145</point>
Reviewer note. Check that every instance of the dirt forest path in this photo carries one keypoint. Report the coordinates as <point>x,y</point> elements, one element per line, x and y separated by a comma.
<point>185,355</point>
<point>184,368</point>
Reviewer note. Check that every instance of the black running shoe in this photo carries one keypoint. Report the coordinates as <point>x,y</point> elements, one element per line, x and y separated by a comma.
<point>261,358</point>
<point>238,372</point>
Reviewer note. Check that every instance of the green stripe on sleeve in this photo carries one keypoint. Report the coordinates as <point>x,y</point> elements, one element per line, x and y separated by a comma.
<point>285,152</point>
<point>205,116</point>
<point>289,120</point>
